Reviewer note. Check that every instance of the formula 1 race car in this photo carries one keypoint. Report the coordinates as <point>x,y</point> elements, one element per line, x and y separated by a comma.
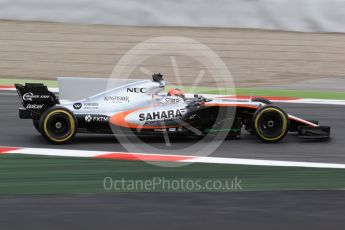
<point>141,107</point>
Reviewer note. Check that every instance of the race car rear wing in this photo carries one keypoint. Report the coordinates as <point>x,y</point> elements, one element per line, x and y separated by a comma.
<point>35,98</point>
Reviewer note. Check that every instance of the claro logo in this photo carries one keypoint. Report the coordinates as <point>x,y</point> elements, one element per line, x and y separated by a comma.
<point>136,90</point>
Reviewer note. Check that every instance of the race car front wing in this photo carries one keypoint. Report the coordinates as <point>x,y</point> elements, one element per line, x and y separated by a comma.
<point>317,132</point>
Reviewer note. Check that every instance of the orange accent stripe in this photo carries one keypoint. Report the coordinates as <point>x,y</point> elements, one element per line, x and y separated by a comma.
<point>143,157</point>
<point>232,105</point>
<point>304,122</point>
<point>119,120</point>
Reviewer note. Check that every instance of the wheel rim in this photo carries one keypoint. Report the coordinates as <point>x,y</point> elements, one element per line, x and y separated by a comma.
<point>271,124</point>
<point>59,126</point>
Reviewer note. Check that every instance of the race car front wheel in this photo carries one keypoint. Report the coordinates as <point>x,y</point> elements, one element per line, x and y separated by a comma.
<point>270,123</point>
<point>58,125</point>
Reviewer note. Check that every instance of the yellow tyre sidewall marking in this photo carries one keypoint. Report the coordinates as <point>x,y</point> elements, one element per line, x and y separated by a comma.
<point>71,120</point>
<point>283,128</point>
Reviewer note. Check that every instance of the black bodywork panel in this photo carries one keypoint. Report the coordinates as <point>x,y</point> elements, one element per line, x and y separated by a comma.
<point>35,98</point>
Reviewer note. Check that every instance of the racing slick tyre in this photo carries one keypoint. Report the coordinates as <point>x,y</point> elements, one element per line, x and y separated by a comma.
<point>58,125</point>
<point>270,123</point>
<point>262,100</point>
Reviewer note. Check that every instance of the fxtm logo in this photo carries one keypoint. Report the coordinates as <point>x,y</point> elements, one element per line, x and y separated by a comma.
<point>100,119</point>
<point>136,90</point>
<point>77,106</point>
<point>88,118</point>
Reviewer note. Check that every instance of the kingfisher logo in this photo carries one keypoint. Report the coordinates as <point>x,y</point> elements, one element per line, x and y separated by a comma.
<point>77,106</point>
<point>162,115</point>
<point>116,99</point>
<point>136,90</point>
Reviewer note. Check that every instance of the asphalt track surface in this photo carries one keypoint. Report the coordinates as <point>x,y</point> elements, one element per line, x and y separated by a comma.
<point>252,210</point>
<point>245,210</point>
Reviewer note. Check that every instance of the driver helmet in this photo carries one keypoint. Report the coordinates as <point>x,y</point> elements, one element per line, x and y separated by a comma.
<point>176,92</point>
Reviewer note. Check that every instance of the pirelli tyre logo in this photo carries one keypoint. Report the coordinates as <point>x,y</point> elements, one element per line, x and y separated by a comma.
<point>96,118</point>
<point>161,116</point>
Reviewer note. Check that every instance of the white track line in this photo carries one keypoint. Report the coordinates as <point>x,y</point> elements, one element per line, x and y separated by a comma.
<point>170,158</point>
<point>56,152</point>
<point>313,101</point>
<point>257,162</point>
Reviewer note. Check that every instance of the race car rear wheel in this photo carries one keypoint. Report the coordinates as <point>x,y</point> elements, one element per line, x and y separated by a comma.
<point>58,125</point>
<point>270,123</point>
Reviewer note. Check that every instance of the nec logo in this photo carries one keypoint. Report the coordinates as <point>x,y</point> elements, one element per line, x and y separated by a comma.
<point>136,90</point>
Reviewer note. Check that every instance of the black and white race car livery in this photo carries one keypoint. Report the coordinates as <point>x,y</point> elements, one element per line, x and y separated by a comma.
<point>141,107</point>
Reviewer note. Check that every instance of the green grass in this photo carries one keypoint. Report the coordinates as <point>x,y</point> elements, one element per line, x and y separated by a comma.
<point>49,83</point>
<point>292,93</point>
<point>209,90</point>
<point>51,175</point>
